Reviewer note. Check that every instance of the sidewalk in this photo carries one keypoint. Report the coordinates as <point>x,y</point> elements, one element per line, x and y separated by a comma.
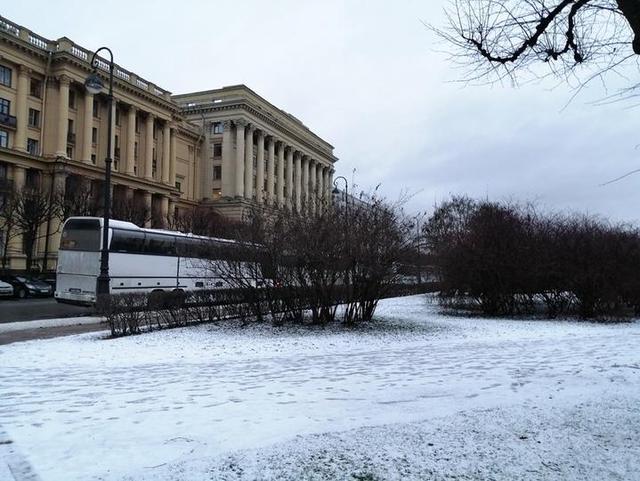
<point>46,329</point>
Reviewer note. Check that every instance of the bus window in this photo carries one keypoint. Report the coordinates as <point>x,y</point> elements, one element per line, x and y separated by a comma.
<point>160,244</point>
<point>81,235</point>
<point>127,241</point>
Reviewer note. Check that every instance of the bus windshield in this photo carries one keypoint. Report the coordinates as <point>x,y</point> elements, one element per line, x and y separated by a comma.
<point>81,235</point>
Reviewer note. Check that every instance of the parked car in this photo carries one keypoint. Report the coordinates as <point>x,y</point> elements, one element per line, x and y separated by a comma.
<point>27,286</point>
<point>6,289</point>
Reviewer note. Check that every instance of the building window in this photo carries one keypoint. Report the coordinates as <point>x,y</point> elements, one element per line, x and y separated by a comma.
<point>179,184</point>
<point>217,172</point>
<point>137,125</point>
<point>32,146</point>
<point>35,88</point>
<point>5,107</point>
<point>94,135</point>
<point>117,117</point>
<point>217,151</point>
<point>217,128</point>
<point>135,151</point>
<point>4,139</point>
<point>96,108</point>
<point>5,76</point>
<point>70,152</point>
<point>72,99</point>
<point>93,159</point>
<point>34,118</point>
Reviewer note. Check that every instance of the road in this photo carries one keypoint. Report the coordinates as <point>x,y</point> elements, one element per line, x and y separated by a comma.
<point>12,310</point>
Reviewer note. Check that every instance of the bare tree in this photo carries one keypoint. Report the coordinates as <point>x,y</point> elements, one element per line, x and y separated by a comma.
<point>583,39</point>
<point>131,210</point>
<point>32,208</point>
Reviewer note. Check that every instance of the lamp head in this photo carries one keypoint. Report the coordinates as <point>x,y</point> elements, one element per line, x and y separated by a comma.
<point>93,83</point>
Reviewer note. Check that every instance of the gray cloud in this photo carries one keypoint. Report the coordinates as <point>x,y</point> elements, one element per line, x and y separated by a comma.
<point>367,76</point>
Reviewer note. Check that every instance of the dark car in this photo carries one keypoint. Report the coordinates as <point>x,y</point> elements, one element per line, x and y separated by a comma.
<point>27,286</point>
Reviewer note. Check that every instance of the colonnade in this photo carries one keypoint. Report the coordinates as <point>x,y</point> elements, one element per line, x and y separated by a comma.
<point>291,177</point>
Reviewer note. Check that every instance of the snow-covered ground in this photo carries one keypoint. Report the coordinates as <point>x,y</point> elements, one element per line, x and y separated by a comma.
<point>416,395</point>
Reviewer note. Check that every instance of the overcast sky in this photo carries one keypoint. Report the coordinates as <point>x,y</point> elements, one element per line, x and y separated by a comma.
<point>368,77</point>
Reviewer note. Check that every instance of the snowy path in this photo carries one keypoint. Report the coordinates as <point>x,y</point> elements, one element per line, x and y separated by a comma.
<point>82,407</point>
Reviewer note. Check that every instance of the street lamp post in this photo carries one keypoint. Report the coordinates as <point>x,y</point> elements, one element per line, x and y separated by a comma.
<point>346,190</point>
<point>94,85</point>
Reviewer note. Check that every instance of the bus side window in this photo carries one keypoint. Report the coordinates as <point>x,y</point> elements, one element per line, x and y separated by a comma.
<point>160,244</point>
<point>128,241</point>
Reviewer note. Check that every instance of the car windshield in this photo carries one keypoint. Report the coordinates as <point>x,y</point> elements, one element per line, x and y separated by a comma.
<point>21,279</point>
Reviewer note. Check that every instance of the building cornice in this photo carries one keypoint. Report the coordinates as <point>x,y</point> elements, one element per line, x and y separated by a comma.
<point>242,104</point>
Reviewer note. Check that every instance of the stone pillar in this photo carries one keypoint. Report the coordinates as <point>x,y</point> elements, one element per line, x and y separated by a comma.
<point>87,128</point>
<point>22,116</point>
<point>172,211</point>
<point>297,158</point>
<point>172,160</point>
<point>329,185</point>
<point>260,168</point>
<point>206,164</point>
<point>271,160</point>
<point>166,147</point>
<point>59,185</point>
<point>312,185</point>
<point>240,128</point>
<point>148,148</point>
<point>290,183</point>
<point>280,189</point>
<point>63,116</point>
<point>227,183</point>
<point>305,182</point>
<point>15,243</point>
<point>164,211</point>
<point>131,141</point>
<point>248,163</point>
<point>148,205</point>
<point>320,188</point>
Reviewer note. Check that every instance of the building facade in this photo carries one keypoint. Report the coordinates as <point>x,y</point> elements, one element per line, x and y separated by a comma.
<point>226,148</point>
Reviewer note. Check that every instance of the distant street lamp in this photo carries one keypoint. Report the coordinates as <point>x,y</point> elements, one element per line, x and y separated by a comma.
<point>336,191</point>
<point>94,85</point>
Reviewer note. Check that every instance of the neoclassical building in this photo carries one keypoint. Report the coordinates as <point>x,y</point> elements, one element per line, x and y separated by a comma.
<point>228,148</point>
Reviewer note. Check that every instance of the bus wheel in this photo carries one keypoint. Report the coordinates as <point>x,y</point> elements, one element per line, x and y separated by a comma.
<point>156,300</point>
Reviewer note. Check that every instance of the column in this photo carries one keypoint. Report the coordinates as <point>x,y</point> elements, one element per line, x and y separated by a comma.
<point>87,128</point>
<point>166,147</point>
<point>164,211</point>
<point>312,185</point>
<point>63,116</point>
<point>248,163</point>
<point>271,160</point>
<point>260,167</point>
<point>148,209</point>
<point>305,182</point>
<point>206,164</point>
<point>227,183</point>
<point>58,184</point>
<point>291,186</point>
<point>320,189</point>
<point>172,160</point>
<point>280,188</point>
<point>148,148</point>
<point>298,180</point>
<point>240,128</point>
<point>20,139</point>
<point>329,185</point>
<point>15,243</point>
<point>131,141</point>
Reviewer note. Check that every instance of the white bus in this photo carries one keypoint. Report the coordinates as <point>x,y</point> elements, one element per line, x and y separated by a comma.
<point>140,260</point>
